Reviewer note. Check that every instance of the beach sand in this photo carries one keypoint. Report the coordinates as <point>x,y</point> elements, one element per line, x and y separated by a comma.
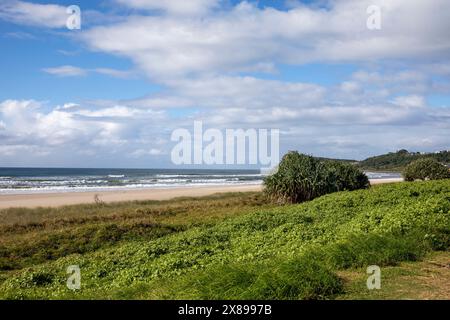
<point>387,180</point>
<point>70,198</point>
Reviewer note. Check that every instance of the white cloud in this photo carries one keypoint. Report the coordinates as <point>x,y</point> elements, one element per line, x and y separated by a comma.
<point>246,37</point>
<point>114,73</point>
<point>72,71</point>
<point>412,101</point>
<point>247,92</point>
<point>14,150</point>
<point>132,132</point>
<point>207,63</point>
<point>20,35</point>
<point>232,92</point>
<point>72,127</point>
<point>183,7</point>
<point>66,71</point>
<point>33,14</point>
<point>144,152</point>
<point>350,86</point>
<point>50,16</point>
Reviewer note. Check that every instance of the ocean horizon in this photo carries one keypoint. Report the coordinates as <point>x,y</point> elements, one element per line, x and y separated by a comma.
<point>48,180</point>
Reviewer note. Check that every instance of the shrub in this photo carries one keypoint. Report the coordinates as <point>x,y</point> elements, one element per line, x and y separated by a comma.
<point>300,178</point>
<point>426,169</point>
<point>344,176</point>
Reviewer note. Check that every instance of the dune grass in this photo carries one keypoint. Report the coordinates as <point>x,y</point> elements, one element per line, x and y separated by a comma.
<point>229,246</point>
<point>33,236</point>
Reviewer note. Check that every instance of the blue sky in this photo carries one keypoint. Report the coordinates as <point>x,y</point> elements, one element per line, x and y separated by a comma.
<point>110,94</point>
<point>27,51</point>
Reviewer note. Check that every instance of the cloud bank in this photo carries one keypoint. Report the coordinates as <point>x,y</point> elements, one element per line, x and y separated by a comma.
<point>223,64</point>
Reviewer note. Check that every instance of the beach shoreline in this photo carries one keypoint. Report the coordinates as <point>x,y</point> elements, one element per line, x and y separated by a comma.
<point>34,200</point>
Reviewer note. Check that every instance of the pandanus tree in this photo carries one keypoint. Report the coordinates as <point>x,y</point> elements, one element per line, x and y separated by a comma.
<point>301,177</point>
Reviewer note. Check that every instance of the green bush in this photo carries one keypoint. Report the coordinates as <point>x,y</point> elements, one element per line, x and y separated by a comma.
<point>344,176</point>
<point>426,169</point>
<point>300,178</point>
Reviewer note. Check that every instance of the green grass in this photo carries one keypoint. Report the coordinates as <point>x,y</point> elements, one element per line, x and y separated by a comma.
<point>30,237</point>
<point>427,279</point>
<point>227,246</point>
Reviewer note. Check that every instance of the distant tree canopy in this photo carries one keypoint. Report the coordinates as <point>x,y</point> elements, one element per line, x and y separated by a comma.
<point>301,177</point>
<point>400,159</point>
<point>426,169</point>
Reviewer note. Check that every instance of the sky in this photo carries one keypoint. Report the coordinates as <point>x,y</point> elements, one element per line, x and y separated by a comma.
<point>111,93</point>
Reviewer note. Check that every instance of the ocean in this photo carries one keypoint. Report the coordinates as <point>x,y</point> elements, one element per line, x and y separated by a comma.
<point>40,180</point>
<point>36,180</point>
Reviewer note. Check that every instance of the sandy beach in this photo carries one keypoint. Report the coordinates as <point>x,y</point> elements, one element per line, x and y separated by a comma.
<point>389,180</point>
<point>70,198</point>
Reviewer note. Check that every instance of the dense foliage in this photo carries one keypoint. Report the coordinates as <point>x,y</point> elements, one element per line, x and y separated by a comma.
<point>426,169</point>
<point>301,177</point>
<point>289,252</point>
<point>399,160</point>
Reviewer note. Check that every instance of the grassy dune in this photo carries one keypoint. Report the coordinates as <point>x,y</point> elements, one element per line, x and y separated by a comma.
<point>230,246</point>
<point>33,236</point>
